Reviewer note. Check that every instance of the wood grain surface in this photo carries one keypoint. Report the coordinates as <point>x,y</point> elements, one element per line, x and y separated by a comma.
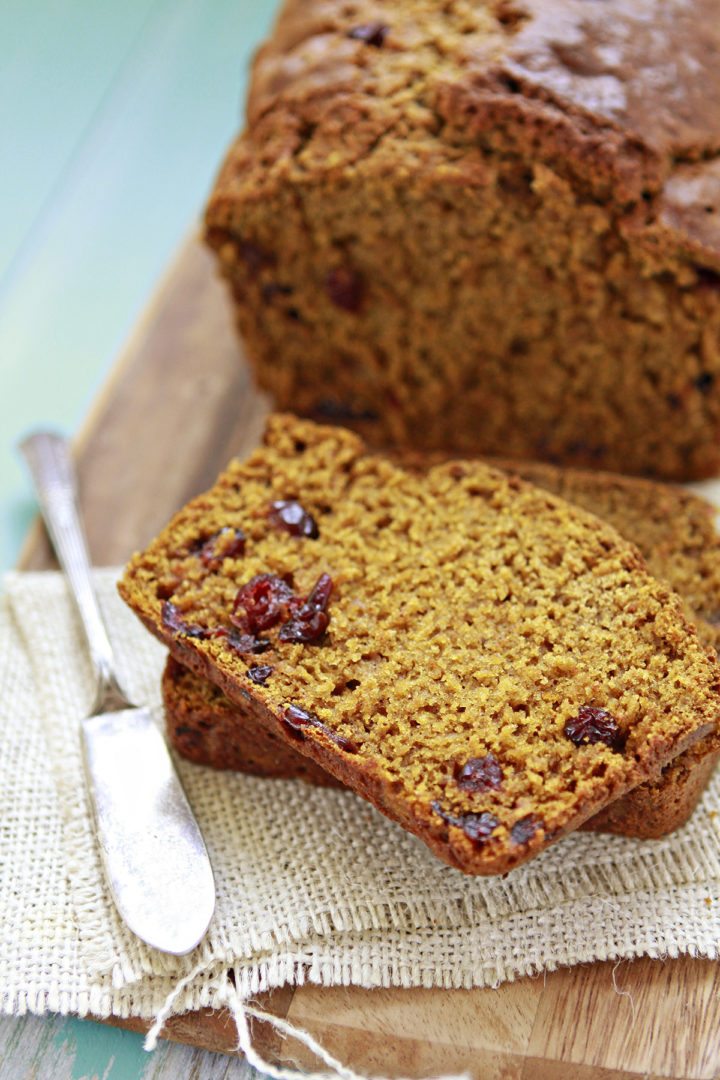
<point>180,403</point>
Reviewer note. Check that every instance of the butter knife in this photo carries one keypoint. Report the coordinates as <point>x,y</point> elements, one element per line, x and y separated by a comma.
<point>153,853</point>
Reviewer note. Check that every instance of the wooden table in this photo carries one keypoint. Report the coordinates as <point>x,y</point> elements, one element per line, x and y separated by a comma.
<point>177,406</point>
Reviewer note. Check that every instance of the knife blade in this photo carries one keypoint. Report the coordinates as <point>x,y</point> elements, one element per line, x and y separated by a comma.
<point>154,857</point>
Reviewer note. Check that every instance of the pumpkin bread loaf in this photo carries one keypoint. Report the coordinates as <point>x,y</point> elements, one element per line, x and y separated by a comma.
<point>675,534</point>
<point>486,227</point>
<point>487,664</point>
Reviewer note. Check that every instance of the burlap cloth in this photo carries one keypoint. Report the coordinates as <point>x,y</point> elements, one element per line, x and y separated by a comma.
<point>312,885</point>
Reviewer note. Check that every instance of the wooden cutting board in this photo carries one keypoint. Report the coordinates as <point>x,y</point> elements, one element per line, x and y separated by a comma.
<point>177,406</point>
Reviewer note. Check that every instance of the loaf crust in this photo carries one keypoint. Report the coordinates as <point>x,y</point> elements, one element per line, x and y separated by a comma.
<point>474,618</point>
<point>675,534</point>
<point>489,227</point>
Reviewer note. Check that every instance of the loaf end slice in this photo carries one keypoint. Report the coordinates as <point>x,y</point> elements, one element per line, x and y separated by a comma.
<point>673,528</point>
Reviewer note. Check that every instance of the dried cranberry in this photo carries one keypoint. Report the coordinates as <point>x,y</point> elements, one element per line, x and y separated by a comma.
<point>704,381</point>
<point>310,622</point>
<point>345,287</point>
<point>321,593</point>
<point>477,827</point>
<point>261,603</point>
<point>174,621</point>
<point>592,725</point>
<point>233,549</point>
<point>331,409</point>
<point>296,719</point>
<point>270,291</point>
<point>709,279</point>
<point>260,674</point>
<point>372,33</point>
<point>246,643</point>
<point>255,256</point>
<point>587,450</point>
<point>293,518</point>
<point>304,629</point>
<point>171,617</point>
<point>340,741</point>
<point>525,829</point>
<point>479,774</point>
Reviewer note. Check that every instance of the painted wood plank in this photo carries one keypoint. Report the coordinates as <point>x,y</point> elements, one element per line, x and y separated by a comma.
<point>132,183</point>
<point>181,392</point>
<point>58,63</point>
<point>65,1048</point>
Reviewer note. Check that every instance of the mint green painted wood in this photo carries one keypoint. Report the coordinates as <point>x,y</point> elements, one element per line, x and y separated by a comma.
<point>65,1048</point>
<point>49,95</point>
<point>135,182</point>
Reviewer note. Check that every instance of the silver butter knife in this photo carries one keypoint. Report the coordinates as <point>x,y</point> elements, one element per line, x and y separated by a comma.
<point>152,850</point>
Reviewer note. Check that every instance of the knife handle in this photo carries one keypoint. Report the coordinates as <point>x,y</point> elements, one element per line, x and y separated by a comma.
<point>51,467</point>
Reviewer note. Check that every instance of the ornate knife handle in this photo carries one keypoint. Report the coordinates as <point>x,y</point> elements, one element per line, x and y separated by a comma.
<point>48,457</point>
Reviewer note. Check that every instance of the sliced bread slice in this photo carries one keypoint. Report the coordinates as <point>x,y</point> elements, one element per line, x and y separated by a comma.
<point>486,663</point>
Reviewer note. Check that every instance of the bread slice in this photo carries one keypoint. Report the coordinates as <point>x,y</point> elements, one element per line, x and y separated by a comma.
<point>675,534</point>
<point>487,664</point>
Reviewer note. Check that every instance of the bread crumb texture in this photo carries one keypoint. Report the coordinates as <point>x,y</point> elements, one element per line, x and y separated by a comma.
<point>206,727</point>
<point>673,529</point>
<point>487,664</point>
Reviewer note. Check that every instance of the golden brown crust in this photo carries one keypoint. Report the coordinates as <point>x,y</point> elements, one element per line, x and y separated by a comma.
<point>653,810</point>
<point>472,616</point>
<point>605,70</point>
<point>205,727</point>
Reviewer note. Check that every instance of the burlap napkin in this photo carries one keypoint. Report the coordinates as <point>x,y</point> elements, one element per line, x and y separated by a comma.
<point>312,884</point>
